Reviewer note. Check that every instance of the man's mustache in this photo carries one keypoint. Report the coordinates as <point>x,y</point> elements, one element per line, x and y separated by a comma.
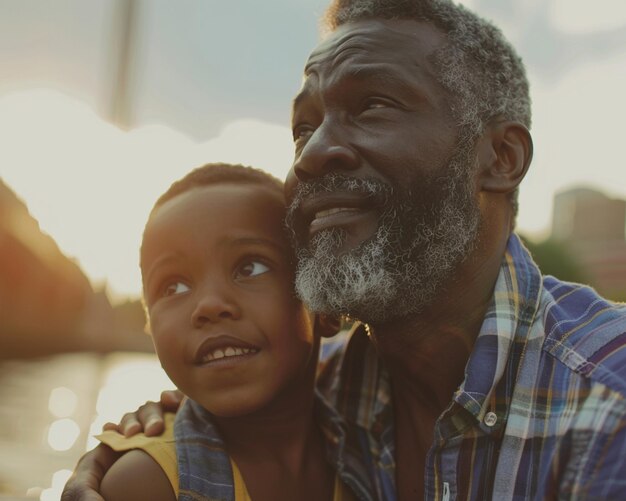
<point>339,182</point>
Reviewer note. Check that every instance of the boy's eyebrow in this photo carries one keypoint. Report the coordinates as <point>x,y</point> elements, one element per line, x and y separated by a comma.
<point>260,241</point>
<point>239,241</point>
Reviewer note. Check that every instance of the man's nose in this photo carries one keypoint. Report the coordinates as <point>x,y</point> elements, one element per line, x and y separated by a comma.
<point>215,303</point>
<point>326,151</point>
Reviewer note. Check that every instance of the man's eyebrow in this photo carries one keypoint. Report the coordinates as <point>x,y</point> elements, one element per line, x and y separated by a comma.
<point>382,73</point>
<point>354,71</point>
<point>378,73</point>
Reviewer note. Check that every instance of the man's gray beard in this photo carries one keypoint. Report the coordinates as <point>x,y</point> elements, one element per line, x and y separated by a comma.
<point>408,261</point>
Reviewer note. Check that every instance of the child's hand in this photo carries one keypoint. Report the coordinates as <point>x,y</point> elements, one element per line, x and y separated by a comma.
<point>149,417</point>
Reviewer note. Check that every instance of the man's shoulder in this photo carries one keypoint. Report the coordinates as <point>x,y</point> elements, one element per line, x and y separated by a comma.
<point>585,332</point>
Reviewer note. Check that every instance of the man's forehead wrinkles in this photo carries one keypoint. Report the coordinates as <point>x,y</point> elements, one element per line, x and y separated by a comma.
<point>344,48</point>
<point>340,45</point>
<point>401,71</point>
<point>367,46</point>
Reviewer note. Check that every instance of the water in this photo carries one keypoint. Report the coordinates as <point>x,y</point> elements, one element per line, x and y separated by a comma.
<point>51,407</point>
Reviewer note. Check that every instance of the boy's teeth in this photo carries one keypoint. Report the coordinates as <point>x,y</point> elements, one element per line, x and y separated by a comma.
<point>229,351</point>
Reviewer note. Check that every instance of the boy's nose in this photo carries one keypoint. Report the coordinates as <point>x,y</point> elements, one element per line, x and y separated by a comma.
<point>213,307</point>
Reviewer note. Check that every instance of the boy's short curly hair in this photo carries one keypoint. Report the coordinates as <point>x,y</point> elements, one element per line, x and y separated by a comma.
<point>218,173</point>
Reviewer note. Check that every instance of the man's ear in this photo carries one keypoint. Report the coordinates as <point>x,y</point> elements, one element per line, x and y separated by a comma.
<point>326,326</point>
<point>504,154</point>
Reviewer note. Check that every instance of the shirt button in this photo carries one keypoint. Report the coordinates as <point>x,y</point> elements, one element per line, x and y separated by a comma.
<point>490,419</point>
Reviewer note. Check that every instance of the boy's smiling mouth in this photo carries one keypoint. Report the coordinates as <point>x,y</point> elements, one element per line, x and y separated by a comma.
<point>230,351</point>
<point>223,347</point>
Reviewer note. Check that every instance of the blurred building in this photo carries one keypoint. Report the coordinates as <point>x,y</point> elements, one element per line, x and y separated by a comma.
<point>593,226</point>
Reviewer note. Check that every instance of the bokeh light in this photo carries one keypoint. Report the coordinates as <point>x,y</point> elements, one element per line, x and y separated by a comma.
<point>62,434</point>
<point>63,402</point>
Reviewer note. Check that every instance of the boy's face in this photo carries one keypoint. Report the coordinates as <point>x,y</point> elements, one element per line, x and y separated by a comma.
<point>218,283</point>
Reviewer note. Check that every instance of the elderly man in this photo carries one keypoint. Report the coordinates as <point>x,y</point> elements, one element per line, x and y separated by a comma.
<point>471,376</point>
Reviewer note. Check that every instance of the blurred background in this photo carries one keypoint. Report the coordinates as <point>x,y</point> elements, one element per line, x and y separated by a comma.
<point>104,103</point>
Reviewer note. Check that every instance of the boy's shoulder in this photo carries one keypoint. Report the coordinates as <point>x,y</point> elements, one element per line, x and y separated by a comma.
<point>136,475</point>
<point>148,463</point>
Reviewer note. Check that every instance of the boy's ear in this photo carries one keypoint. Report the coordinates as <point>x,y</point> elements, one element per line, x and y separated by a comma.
<point>504,154</point>
<point>326,326</point>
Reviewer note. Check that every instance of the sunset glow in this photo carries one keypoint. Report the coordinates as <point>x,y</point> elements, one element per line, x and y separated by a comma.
<point>91,185</point>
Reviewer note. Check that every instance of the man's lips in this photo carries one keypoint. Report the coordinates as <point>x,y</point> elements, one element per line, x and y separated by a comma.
<point>337,216</point>
<point>223,347</point>
<point>331,210</point>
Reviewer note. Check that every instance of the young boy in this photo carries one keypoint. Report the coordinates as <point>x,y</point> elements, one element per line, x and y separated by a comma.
<point>217,272</point>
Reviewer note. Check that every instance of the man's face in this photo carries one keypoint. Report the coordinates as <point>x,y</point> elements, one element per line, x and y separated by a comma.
<point>382,198</point>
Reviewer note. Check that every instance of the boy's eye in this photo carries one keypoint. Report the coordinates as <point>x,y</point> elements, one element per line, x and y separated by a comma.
<point>252,269</point>
<point>175,288</point>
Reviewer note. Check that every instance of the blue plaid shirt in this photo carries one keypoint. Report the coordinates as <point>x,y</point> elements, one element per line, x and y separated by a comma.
<point>540,415</point>
<point>204,468</point>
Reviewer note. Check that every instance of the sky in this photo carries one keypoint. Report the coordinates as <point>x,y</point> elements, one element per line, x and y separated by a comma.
<point>91,184</point>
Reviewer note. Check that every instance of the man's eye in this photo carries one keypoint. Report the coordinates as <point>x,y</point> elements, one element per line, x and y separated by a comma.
<point>175,288</point>
<point>377,103</point>
<point>252,269</point>
<point>301,132</point>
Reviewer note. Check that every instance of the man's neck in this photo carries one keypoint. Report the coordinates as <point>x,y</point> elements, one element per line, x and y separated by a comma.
<point>426,353</point>
<point>426,356</point>
<point>426,360</point>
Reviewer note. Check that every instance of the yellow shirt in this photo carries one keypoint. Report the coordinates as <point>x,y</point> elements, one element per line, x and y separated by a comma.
<point>163,450</point>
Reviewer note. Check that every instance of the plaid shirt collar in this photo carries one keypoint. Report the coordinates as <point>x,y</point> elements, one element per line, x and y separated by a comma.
<point>506,329</point>
<point>488,380</point>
